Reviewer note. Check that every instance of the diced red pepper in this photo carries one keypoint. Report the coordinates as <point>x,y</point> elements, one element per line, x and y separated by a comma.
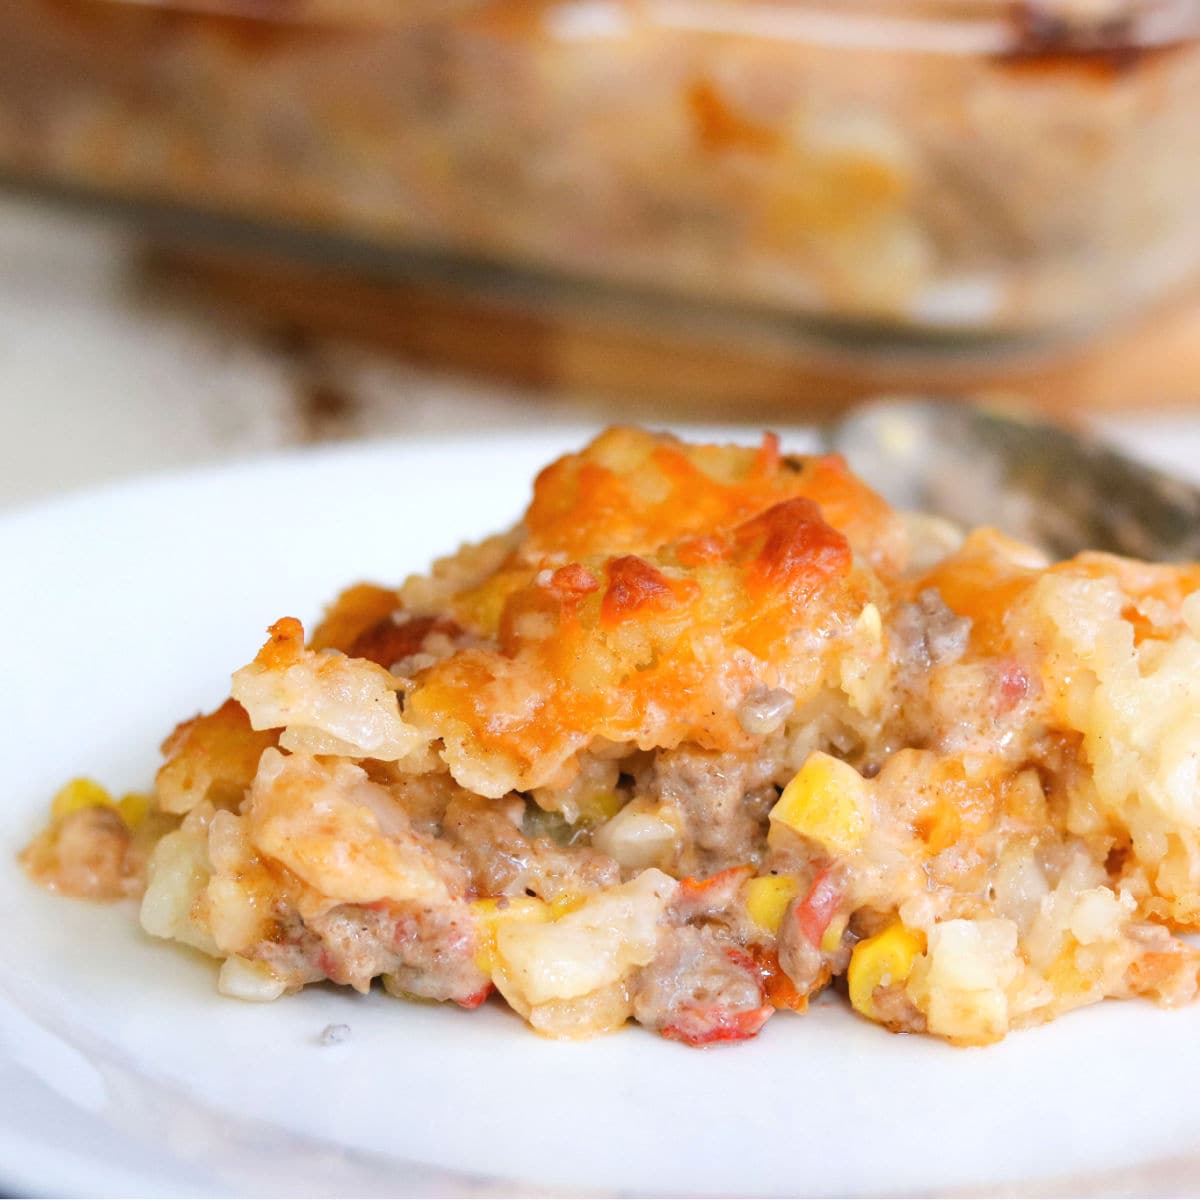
<point>780,990</point>
<point>706,1024</point>
<point>709,1026</point>
<point>691,888</point>
<point>742,958</point>
<point>1014,685</point>
<point>475,999</point>
<point>816,910</point>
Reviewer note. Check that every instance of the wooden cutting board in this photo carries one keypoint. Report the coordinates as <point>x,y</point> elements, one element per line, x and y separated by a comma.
<point>663,359</point>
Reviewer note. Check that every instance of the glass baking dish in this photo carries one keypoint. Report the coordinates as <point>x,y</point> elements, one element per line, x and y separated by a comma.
<point>972,167</point>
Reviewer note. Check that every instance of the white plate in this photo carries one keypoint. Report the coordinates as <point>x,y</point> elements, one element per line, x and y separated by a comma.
<point>122,1070</point>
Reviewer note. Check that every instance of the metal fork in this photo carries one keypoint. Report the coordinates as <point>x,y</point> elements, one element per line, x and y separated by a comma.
<point>1060,490</point>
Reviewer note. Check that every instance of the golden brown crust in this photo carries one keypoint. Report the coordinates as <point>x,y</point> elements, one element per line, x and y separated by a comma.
<point>653,585</point>
<point>212,757</point>
<point>357,610</point>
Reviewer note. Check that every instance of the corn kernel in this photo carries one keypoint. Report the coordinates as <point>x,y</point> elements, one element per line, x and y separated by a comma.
<point>1064,975</point>
<point>563,905</point>
<point>490,914</point>
<point>870,622</point>
<point>600,807</point>
<point>76,795</point>
<point>881,960</point>
<point>767,898</point>
<point>831,939</point>
<point>134,808</point>
<point>826,801</point>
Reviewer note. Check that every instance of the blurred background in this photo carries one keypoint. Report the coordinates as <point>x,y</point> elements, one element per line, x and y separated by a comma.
<point>228,226</point>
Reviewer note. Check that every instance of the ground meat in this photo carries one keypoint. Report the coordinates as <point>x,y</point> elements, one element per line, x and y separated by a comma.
<point>420,952</point>
<point>503,861</point>
<point>701,988</point>
<point>291,950</point>
<point>951,701</point>
<point>423,798</point>
<point>90,854</point>
<point>926,633</point>
<point>355,944</point>
<point>896,1011</point>
<point>437,958</point>
<point>723,800</point>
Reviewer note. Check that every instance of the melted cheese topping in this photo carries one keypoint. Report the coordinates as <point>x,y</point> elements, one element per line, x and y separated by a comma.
<point>654,587</point>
